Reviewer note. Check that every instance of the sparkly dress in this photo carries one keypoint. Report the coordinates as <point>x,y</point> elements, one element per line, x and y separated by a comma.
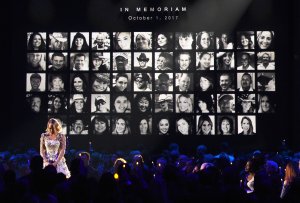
<point>50,149</point>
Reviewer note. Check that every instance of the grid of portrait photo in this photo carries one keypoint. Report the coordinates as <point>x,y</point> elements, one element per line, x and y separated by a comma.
<point>152,83</point>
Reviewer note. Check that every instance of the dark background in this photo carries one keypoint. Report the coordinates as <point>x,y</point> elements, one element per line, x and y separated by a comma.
<point>21,129</point>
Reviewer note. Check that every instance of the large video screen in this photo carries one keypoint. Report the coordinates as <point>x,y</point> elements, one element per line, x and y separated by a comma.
<point>152,83</point>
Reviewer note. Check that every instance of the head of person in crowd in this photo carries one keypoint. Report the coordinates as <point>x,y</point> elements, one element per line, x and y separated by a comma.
<point>78,104</point>
<point>244,41</point>
<point>142,80</point>
<point>184,61</point>
<point>35,82</point>
<point>101,41</point>
<point>121,104</point>
<point>164,100</point>
<point>121,61</point>
<point>225,103</point>
<point>164,61</point>
<point>163,41</point>
<point>204,103</point>
<point>204,61</point>
<point>143,41</point>
<point>78,83</point>
<point>225,126</point>
<point>184,82</point>
<point>265,39</point>
<point>57,105</point>
<point>246,82</point>
<point>122,40</point>
<point>121,126</point>
<point>205,125</point>
<point>79,61</point>
<point>57,61</point>
<point>100,104</point>
<point>206,82</point>
<point>184,103</point>
<point>143,102</point>
<point>99,62</point>
<point>36,42</point>
<point>184,41</point>
<point>183,126</point>
<point>163,126</point>
<point>225,82</point>
<point>204,41</point>
<point>101,82</point>
<point>121,82</point>
<point>79,42</point>
<point>100,125</point>
<point>56,83</point>
<point>246,126</point>
<point>35,103</point>
<point>265,104</point>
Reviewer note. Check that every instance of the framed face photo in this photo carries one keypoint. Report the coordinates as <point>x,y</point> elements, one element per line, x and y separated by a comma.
<point>205,40</point>
<point>79,82</point>
<point>163,61</point>
<point>245,40</point>
<point>163,41</point>
<point>79,125</point>
<point>245,61</point>
<point>184,61</point>
<point>122,41</point>
<point>79,41</point>
<point>142,40</point>
<point>226,103</point>
<point>79,104</point>
<point>57,82</point>
<point>36,62</point>
<point>121,125</point>
<point>143,103</point>
<point>36,41</point>
<point>163,125</point>
<point>79,61</point>
<point>184,82</point>
<point>265,39</point>
<point>100,41</point>
<point>35,82</point>
<point>100,82</point>
<point>226,125</point>
<point>142,61</point>
<point>205,60</point>
<point>225,40</point>
<point>58,41</point>
<point>266,102</point>
<point>36,103</point>
<point>226,81</point>
<point>266,60</point>
<point>184,125</point>
<point>246,81</point>
<point>225,61</point>
<point>164,103</point>
<point>164,82</point>
<point>100,103</point>
<point>143,125</point>
<point>100,61</point>
<point>205,81</point>
<point>184,41</point>
<point>205,124</point>
<point>246,103</point>
<point>121,82</point>
<point>266,81</point>
<point>121,103</point>
<point>246,125</point>
<point>121,61</point>
<point>205,103</point>
<point>100,125</point>
<point>58,61</point>
<point>142,82</point>
<point>57,103</point>
<point>184,103</point>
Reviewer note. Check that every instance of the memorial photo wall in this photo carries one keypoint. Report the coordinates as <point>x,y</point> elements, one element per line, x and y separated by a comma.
<point>152,83</point>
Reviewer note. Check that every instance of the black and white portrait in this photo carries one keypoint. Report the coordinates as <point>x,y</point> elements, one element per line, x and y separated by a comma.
<point>100,41</point>
<point>35,82</point>
<point>100,103</point>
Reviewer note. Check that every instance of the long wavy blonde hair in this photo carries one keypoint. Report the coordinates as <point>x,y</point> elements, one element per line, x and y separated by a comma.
<point>53,126</point>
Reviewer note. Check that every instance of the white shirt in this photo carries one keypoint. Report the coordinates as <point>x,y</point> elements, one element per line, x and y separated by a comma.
<point>269,67</point>
<point>241,68</point>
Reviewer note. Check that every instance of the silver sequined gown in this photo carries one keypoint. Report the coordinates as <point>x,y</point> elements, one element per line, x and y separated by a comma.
<point>52,148</point>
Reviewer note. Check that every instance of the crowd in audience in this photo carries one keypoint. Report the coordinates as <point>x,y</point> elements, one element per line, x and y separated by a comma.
<point>138,176</point>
